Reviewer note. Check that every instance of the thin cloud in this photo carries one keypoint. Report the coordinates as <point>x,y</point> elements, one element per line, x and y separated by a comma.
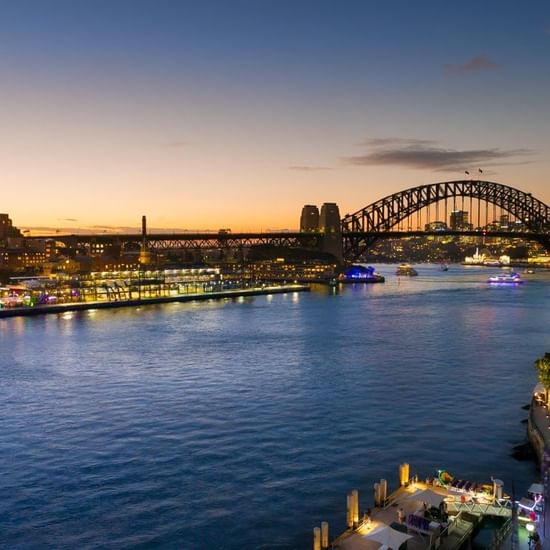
<point>309,168</point>
<point>67,219</point>
<point>384,142</point>
<point>477,64</point>
<point>178,144</point>
<point>409,154</point>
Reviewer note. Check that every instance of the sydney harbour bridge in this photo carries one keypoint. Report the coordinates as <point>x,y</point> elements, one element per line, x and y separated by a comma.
<point>412,212</point>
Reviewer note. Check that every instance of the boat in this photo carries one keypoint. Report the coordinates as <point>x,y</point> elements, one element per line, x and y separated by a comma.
<point>506,279</point>
<point>361,274</point>
<point>406,270</point>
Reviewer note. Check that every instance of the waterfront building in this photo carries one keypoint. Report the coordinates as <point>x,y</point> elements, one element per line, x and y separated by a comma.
<point>16,259</point>
<point>67,286</point>
<point>309,220</point>
<point>282,270</point>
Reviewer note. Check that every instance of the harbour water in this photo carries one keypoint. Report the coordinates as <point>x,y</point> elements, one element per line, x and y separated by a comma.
<point>244,423</point>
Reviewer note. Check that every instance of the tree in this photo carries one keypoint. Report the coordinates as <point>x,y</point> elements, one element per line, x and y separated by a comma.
<point>543,367</point>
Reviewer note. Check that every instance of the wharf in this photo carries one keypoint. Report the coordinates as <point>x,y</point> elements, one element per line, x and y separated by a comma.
<point>82,306</point>
<point>465,511</point>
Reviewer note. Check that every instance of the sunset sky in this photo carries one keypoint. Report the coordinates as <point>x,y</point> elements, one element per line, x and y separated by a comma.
<point>206,114</point>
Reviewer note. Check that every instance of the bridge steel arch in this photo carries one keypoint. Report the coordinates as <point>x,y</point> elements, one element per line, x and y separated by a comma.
<point>361,229</point>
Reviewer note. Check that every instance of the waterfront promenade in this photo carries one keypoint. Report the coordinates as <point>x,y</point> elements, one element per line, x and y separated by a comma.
<point>199,296</point>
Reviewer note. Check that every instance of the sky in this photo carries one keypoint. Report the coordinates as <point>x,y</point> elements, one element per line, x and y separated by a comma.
<point>233,114</point>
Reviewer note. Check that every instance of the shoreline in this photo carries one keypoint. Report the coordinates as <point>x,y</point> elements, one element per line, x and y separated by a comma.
<point>83,306</point>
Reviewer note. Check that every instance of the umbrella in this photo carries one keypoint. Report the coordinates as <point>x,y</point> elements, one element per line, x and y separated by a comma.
<point>536,488</point>
<point>429,497</point>
<point>385,535</point>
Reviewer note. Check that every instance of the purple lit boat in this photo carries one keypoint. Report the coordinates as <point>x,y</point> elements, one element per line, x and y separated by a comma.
<point>505,279</point>
<point>361,274</point>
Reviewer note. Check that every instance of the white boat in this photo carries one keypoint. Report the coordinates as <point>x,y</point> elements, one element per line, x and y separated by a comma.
<point>506,279</point>
<point>406,270</point>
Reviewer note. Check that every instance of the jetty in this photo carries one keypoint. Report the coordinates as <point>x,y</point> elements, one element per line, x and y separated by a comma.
<point>23,311</point>
<point>421,515</point>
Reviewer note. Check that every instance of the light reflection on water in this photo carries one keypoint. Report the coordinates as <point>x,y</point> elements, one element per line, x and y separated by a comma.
<point>243,423</point>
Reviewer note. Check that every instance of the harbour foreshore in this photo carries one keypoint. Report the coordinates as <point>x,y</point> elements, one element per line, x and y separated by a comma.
<point>538,428</point>
<point>217,295</point>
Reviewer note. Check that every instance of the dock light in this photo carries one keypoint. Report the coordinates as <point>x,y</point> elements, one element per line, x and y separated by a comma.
<point>530,527</point>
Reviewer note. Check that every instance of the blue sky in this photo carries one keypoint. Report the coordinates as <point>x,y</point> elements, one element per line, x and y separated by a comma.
<point>235,113</point>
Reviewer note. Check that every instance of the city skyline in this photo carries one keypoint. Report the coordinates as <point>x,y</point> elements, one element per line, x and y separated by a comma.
<point>235,115</point>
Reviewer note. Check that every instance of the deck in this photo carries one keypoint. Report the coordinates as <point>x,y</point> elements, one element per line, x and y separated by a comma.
<point>463,516</point>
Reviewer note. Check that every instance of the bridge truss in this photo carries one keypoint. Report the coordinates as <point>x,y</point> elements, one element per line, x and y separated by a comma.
<point>363,228</point>
<point>196,241</point>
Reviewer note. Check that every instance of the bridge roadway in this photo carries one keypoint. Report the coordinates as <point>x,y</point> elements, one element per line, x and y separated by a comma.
<point>167,241</point>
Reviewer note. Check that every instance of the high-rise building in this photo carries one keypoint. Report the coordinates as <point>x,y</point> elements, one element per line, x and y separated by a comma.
<point>309,220</point>
<point>459,220</point>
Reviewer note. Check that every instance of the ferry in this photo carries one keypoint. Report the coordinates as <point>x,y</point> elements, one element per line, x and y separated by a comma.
<point>406,270</point>
<point>506,279</point>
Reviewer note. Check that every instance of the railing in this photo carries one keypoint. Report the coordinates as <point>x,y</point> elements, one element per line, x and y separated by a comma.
<point>467,532</point>
<point>501,535</point>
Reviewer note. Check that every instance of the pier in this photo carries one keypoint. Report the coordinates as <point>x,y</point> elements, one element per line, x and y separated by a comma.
<point>420,515</point>
<point>82,306</point>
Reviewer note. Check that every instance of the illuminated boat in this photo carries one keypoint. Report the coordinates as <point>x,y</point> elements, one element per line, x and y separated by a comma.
<point>361,274</point>
<point>505,279</point>
<point>406,270</point>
